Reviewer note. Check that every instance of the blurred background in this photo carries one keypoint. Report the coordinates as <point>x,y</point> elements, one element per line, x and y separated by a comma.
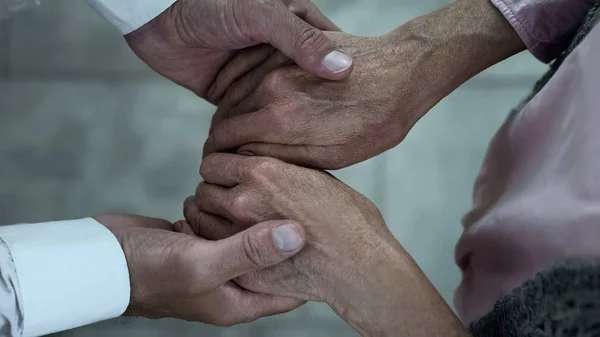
<point>86,128</point>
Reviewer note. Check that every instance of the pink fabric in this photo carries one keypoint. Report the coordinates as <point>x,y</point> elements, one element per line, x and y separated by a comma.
<point>545,25</point>
<point>537,199</point>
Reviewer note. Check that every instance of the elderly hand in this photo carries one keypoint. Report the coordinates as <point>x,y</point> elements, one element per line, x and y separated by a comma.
<point>191,41</point>
<point>302,119</point>
<point>176,275</point>
<point>344,230</point>
<point>351,260</point>
<point>286,113</point>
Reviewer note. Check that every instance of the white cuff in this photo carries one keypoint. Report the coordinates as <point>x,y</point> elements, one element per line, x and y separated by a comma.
<point>129,15</point>
<point>70,273</point>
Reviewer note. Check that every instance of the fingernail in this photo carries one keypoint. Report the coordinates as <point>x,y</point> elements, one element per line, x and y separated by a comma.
<point>287,238</point>
<point>336,61</point>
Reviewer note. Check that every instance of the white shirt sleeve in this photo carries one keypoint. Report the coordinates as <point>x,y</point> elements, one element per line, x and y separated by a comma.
<point>61,275</point>
<point>11,313</point>
<point>129,15</point>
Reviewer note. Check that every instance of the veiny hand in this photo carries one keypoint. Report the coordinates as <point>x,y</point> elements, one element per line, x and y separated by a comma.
<point>191,41</point>
<point>345,231</point>
<point>287,113</point>
<point>180,276</point>
<point>351,260</point>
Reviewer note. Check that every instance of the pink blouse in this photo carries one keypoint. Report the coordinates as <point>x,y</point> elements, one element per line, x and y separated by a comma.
<point>537,198</point>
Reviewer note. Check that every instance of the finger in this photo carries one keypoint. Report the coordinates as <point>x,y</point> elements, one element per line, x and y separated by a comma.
<point>215,199</point>
<point>309,12</point>
<point>243,207</point>
<point>238,102</point>
<point>244,306</point>
<point>241,64</point>
<point>308,46</point>
<point>225,169</point>
<point>183,227</point>
<point>208,226</point>
<point>254,127</point>
<point>311,156</point>
<point>244,87</point>
<point>258,247</point>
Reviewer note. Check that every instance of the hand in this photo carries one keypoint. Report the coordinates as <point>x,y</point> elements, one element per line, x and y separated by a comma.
<point>286,113</point>
<point>289,114</point>
<point>351,261</point>
<point>180,276</point>
<point>191,41</point>
<point>345,230</point>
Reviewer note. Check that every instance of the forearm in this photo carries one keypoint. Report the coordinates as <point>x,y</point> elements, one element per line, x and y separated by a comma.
<point>451,46</point>
<point>394,298</point>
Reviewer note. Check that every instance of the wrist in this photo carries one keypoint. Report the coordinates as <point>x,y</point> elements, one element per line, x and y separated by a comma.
<point>364,286</point>
<point>392,297</point>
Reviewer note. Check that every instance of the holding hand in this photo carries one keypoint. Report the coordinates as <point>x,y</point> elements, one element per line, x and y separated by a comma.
<point>287,113</point>
<point>180,276</point>
<point>191,41</point>
<point>351,260</point>
<point>342,226</point>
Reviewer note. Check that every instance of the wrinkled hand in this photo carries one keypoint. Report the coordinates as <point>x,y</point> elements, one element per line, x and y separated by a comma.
<point>180,276</point>
<point>191,41</point>
<point>345,231</point>
<point>286,113</point>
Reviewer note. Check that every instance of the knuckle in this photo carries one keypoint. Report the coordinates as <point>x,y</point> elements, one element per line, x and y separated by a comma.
<point>311,40</point>
<point>204,171</point>
<point>190,210</point>
<point>241,201</point>
<point>200,189</point>
<point>265,168</point>
<point>208,164</point>
<point>274,80</point>
<point>241,208</point>
<point>253,252</point>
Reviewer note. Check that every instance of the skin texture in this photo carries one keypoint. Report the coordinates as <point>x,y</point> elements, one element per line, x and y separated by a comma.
<point>191,41</point>
<point>236,194</point>
<point>351,260</point>
<point>287,113</point>
<point>180,276</point>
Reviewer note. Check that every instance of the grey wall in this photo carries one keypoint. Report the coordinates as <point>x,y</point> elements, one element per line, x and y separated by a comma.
<point>4,47</point>
<point>86,128</point>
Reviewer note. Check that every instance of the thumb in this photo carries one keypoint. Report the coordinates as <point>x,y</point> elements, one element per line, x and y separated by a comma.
<point>308,46</point>
<point>258,247</point>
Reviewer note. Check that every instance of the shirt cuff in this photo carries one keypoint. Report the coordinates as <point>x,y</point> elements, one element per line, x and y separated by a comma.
<point>70,274</point>
<point>129,15</point>
<point>546,27</point>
